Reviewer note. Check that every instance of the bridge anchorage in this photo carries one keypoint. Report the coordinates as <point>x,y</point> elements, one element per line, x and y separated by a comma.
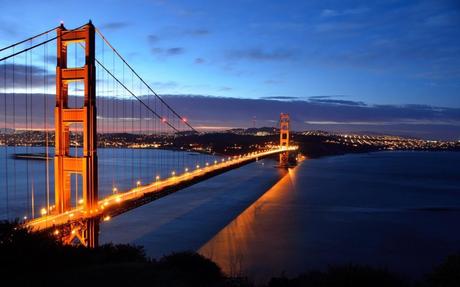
<point>118,112</point>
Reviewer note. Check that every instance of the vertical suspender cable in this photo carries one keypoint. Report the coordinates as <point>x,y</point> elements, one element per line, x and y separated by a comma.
<point>14,129</point>
<point>45,115</point>
<point>6,144</point>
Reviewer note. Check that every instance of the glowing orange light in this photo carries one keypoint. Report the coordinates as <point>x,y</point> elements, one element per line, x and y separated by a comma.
<point>107,218</point>
<point>43,211</point>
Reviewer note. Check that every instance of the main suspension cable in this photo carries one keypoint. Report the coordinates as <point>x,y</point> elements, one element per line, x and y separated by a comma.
<point>28,39</point>
<point>142,80</point>
<point>35,46</point>
<point>132,94</point>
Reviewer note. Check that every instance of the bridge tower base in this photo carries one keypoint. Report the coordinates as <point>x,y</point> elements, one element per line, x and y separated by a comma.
<point>83,232</point>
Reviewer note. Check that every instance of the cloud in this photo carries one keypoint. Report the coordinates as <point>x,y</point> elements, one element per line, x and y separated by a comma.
<point>116,25</point>
<point>199,61</point>
<point>153,39</point>
<point>206,111</point>
<point>272,82</point>
<point>165,85</point>
<point>335,13</point>
<point>20,76</point>
<point>338,102</point>
<point>175,51</point>
<point>444,19</point>
<point>8,29</point>
<point>225,89</point>
<point>409,120</point>
<point>166,52</point>
<point>280,98</point>
<point>196,32</point>
<point>326,97</point>
<point>174,32</point>
<point>257,54</point>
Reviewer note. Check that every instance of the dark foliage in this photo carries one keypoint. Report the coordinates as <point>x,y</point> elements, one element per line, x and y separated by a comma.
<point>38,259</point>
<point>189,269</point>
<point>447,274</point>
<point>343,276</point>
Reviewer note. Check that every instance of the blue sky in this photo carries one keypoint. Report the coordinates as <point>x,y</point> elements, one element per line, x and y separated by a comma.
<point>369,53</point>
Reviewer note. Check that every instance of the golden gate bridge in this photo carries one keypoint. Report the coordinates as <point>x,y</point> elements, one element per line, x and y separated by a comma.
<point>84,100</point>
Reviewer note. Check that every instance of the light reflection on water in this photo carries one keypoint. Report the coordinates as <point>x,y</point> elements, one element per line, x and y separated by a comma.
<point>391,209</point>
<point>231,246</point>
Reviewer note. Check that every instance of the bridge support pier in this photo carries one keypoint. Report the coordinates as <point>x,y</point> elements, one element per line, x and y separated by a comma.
<point>84,232</point>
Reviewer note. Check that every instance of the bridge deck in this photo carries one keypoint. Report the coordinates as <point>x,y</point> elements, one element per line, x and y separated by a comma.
<point>121,202</point>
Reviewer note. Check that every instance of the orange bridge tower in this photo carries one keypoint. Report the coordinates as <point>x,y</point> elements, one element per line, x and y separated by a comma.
<point>85,117</point>
<point>284,138</point>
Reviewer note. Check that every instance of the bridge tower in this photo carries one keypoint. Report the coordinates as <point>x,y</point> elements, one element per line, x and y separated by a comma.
<point>284,138</point>
<point>64,164</point>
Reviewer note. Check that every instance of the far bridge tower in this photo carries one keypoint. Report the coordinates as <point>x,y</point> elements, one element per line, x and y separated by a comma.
<point>284,139</point>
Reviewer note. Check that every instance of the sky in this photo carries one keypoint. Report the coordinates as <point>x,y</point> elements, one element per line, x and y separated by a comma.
<point>378,66</point>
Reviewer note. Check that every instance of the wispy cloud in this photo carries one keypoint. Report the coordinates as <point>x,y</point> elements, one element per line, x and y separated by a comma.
<point>196,32</point>
<point>167,52</point>
<point>411,120</point>
<point>225,88</point>
<point>8,29</point>
<point>272,82</point>
<point>153,39</point>
<point>258,54</point>
<point>199,61</point>
<point>280,98</point>
<point>116,25</point>
<point>335,12</point>
<point>338,102</point>
<point>20,76</point>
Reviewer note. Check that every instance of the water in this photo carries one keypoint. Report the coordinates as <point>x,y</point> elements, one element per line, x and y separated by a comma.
<point>119,168</point>
<point>391,209</point>
<point>187,219</point>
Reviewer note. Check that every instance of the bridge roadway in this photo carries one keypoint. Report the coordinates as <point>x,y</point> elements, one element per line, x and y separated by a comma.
<point>121,202</point>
